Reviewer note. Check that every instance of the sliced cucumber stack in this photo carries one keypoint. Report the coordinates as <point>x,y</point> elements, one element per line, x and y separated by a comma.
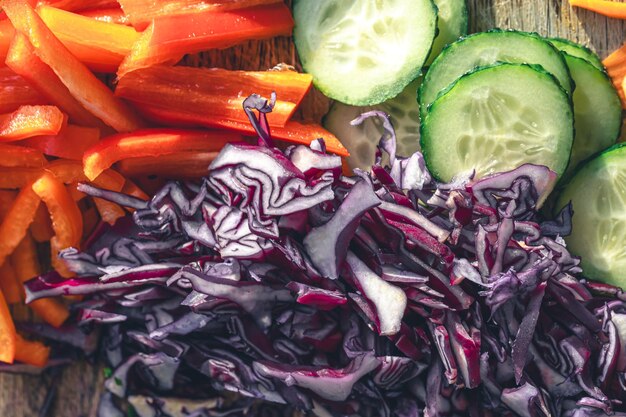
<point>497,118</point>
<point>577,50</point>
<point>363,52</point>
<point>597,111</point>
<point>598,195</point>
<point>452,18</point>
<point>361,140</point>
<point>488,48</point>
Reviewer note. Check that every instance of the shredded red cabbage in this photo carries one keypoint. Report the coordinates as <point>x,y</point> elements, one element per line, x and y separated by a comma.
<point>383,294</point>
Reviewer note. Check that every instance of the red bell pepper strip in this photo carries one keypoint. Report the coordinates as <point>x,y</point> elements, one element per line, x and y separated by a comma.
<point>92,93</point>
<point>41,227</point>
<point>169,38</point>
<point>19,156</point>
<point>31,352</point>
<point>214,93</point>
<point>7,333</point>
<point>100,45</point>
<point>109,15</point>
<point>22,59</point>
<point>70,143</point>
<point>179,165</point>
<point>293,132</point>
<point>79,5</point>
<point>14,226</point>
<point>15,91</point>
<point>151,142</point>
<point>142,12</point>
<point>17,177</point>
<point>6,36</point>
<point>29,121</point>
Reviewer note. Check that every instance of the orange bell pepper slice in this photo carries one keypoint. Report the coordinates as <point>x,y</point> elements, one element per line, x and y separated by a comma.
<point>214,94</point>
<point>100,45</point>
<point>26,265</point>
<point>31,352</point>
<point>151,142</point>
<point>169,38</point>
<point>19,156</point>
<point>292,132</point>
<point>11,289</point>
<point>109,212</point>
<point>133,189</point>
<point>610,8</point>
<point>17,177</point>
<point>15,91</point>
<point>7,333</point>
<point>41,227</point>
<point>15,225</point>
<point>92,93</point>
<point>615,65</point>
<point>29,121</point>
<point>109,15</point>
<point>21,58</point>
<point>179,165</point>
<point>142,12</point>
<point>70,143</point>
<point>78,5</point>
<point>67,221</point>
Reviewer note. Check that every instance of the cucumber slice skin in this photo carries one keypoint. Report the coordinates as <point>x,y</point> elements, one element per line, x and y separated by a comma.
<point>470,52</point>
<point>597,111</point>
<point>361,140</point>
<point>340,81</point>
<point>577,50</point>
<point>452,23</point>
<point>603,254</point>
<point>438,139</point>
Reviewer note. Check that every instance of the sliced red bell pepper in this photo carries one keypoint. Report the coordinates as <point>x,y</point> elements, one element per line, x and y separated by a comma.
<point>100,45</point>
<point>78,5</point>
<point>142,12</point>
<point>151,142</point>
<point>214,93</point>
<point>17,177</point>
<point>15,91</point>
<point>7,333</point>
<point>67,221</point>
<point>109,15</point>
<point>22,59</point>
<point>31,352</point>
<point>41,227</point>
<point>70,143</point>
<point>14,226</point>
<point>179,165</point>
<point>169,38</point>
<point>29,121</point>
<point>26,264</point>
<point>6,35</point>
<point>293,132</point>
<point>92,93</point>
<point>19,156</point>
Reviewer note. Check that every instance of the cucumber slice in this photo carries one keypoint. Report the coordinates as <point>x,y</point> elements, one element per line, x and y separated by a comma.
<point>577,50</point>
<point>497,118</point>
<point>487,48</point>
<point>597,111</point>
<point>361,140</point>
<point>451,24</point>
<point>363,52</point>
<point>598,195</point>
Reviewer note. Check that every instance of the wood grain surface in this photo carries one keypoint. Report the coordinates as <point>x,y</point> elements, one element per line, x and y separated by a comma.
<point>77,387</point>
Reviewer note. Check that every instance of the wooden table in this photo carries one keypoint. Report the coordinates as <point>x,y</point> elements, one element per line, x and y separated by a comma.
<point>78,386</point>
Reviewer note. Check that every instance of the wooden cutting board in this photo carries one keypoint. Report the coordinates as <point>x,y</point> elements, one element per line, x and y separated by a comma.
<point>77,387</point>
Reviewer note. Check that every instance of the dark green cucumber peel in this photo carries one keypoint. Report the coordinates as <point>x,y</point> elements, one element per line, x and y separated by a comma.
<point>577,50</point>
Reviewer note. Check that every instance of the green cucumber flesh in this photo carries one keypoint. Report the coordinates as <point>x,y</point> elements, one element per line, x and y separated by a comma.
<point>452,19</point>
<point>598,195</point>
<point>363,52</point>
<point>497,118</point>
<point>488,48</point>
<point>577,50</point>
<point>361,140</point>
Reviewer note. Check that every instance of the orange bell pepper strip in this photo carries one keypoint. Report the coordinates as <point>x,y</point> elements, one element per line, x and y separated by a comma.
<point>26,264</point>
<point>15,224</point>
<point>109,15</point>
<point>292,132</point>
<point>7,333</point>
<point>70,143</point>
<point>169,38</point>
<point>41,227</point>
<point>17,177</point>
<point>29,121</point>
<point>151,142</point>
<point>11,289</point>
<point>100,45</point>
<point>92,93</point>
<point>133,189</point>
<point>179,165</point>
<point>90,221</point>
<point>15,91</point>
<point>109,212</point>
<point>78,5</point>
<point>615,65</point>
<point>19,156</point>
<point>31,352</point>
<point>67,221</point>
<point>21,58</point>
<point>214,93</point>
<point>6,35</point>
<point>609,8</point>
<point>142,12</point>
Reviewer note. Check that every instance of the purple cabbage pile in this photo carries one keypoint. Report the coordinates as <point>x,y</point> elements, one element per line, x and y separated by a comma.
<point>279,286</point>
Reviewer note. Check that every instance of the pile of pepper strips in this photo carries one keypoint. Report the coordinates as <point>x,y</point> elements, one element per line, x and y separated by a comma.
<point>60,124</point>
